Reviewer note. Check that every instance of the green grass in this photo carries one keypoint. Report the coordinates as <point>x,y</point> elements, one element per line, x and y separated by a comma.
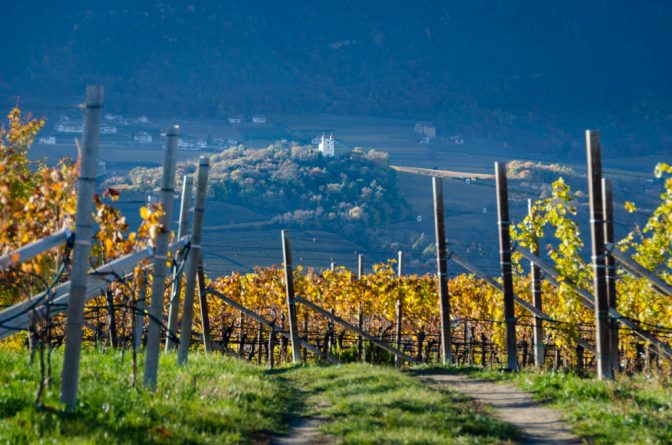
<point>632,410</point>
<point>364,404</point>
<point>214,400</point>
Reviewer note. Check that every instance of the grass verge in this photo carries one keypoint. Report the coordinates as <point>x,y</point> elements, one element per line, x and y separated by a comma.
<point>365,404</point>
<point>631,410</point>
<point>214,399</point>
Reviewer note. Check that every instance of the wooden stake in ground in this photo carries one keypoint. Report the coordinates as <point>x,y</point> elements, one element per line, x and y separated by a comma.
<point>535,278</point>
<point>140,307</point>
<point>597,222</point>
<point>442,271</point>
<point>193,261</point>
<point>291,304</point>
<point>86,186</point>
<point>361,347</point>
<point>160,259</point>
<point>505,262</point>
<point>397,334</point>
<point>608,205</point>
<point>203,304</point>
<point>175,295</point>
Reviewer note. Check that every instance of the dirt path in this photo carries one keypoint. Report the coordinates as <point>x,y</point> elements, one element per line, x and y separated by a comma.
<point>538,424</point>
<point>304,431</point>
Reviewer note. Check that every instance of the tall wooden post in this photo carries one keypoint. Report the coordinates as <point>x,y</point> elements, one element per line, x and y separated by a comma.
<point>361,352</point>
<point>140,307</point>
<point>291,304</point>
<point>505,262</point>
<point>193,261</point>
<point>400,273</point>
<point>602,345</point>
<point>442,271</point>
<point>160,259</point>
<point>86,186</point>
<point>608,205</point>
<point>175,295</point>
<point>535,276</point>
<point>203,304</point>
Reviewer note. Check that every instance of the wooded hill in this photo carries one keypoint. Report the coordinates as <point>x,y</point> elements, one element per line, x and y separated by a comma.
<point>297,186</point>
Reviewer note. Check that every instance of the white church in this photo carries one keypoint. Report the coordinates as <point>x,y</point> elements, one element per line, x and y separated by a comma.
<point>326,146</point>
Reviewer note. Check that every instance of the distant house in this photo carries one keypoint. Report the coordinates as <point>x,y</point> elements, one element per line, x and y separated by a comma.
<point>232,141</point>
<point>459,140</point>
<point>235,120</point>
<point>258,119</point>
<point>49,140</point>
<point>108,129</point>
<point>143,119</point>
<point>143,137</point>
<point>326,146</point>
<point>69,127</point>
<point>201,144</point>
<point>424,128</point>
<point>101,168</point>
<point>425,140</point>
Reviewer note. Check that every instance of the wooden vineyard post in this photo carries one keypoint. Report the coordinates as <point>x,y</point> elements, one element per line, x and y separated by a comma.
<point>608,205</point>
<point>291,304</point>
<point>203,304</point>
<point>535,278</point>
<point>175,295</point>
<point>271,345</point>
<point>160,259</point>
<point>442,271</point>
<point>505,262</point>
<point>397,334</point>
<point>86,186</point>
<point>361,349</point>
<point>140,307</point>
<point>597,222</point>
<point>193,261</point>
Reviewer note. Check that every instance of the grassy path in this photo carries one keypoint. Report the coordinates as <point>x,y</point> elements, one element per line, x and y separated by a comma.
<point>364,404</point>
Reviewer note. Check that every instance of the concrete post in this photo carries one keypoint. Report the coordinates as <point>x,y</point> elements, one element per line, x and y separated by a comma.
<point>86,186</point>
<point>160,259</point>
<point>185,203</point>
<point>194,260</point>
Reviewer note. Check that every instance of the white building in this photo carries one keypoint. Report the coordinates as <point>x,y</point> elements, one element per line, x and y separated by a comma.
<point>101,169</point>
<point>108,129</point>
<point>425,129</point>
<point>326,146</point>
<point>143,137</point>
<point>49,140</point>
<point>235,120</point>
<point>69,127</point>
<point>258,119</point>
<point>143,119</point>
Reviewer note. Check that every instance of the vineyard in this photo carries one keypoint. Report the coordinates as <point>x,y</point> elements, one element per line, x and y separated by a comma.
<point>74,276</point>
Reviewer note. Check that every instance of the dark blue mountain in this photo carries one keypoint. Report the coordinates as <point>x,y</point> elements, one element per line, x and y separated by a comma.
<point>535,72</point>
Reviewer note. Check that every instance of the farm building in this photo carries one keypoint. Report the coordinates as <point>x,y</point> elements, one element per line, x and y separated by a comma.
<point>425,129</point>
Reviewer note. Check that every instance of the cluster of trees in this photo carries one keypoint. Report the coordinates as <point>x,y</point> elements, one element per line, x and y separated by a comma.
<point>300,187</point>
